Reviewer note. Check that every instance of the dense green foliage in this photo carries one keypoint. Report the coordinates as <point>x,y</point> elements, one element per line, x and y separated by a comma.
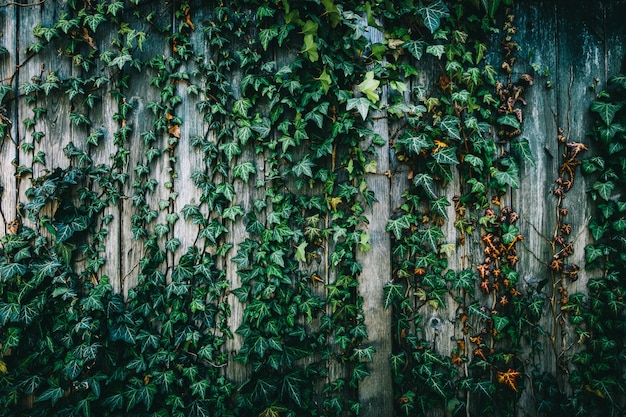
<point>295,132</point>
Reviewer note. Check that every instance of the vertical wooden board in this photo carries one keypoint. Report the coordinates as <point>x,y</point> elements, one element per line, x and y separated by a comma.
<point>615,35</point>
<point>55,123</point>
<point>375,392</point>
<point>580,59</point>
<point>8,116</point>
<point>534,201</point>
<point>188,158</point>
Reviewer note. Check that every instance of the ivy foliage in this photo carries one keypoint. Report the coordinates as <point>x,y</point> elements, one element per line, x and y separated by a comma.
<point>236,145</point>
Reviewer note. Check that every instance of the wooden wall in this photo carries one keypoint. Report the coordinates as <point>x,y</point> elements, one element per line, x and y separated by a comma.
<point>579,46</point>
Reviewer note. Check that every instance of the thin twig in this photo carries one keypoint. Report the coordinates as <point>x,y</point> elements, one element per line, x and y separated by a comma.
<point>12,3</point>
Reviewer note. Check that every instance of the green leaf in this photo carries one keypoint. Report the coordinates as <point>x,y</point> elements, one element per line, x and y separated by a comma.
<point>432,14</point>
<point>510,177</point>
<point>11,269</point>
<point>509,120</point>
<point>398,225</point>
<point>301,252</point>
<point>266,36</point>
<point>232,212</point>
<point>431,237</point>
<point>415,48</point>
<point>361,104</point>
<point>604,189</point>
<point>592,253</point>
<point>303,167</point>
<point>53,394</point>
<point>440,206</point>
<point>465,280</point>
<point>476,162</point>
<point>231,149</point>
<point>605,110</point>
<point>446,156</point>
<point>369,85</point>
<point>325,81</point>
<point>310,48</point>
<point>435,50</point>
<point>392,292</point>
<point>450,126</point>
<point>500,322</point>
<point>522,148</point>
<point>244,170</point>
<point>291,387</point>
<point>415,144</point>
<point>426,182</point>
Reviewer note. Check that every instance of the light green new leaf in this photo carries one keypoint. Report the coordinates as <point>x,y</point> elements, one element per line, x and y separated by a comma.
<point>369,86</point>
<point>324,80</point>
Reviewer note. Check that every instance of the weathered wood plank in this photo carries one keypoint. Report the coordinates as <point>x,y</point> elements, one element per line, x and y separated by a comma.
<point>8,117</point>
<point>375,392</point>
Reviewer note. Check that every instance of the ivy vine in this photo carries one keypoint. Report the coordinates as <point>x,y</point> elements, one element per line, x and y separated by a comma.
<point>277,147</point>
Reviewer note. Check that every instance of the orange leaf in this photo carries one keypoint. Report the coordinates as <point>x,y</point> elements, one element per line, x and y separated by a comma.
<point>174,131</point>
<point>509,378</point>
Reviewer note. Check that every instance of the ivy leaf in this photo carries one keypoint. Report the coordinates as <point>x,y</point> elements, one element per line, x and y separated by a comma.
<point>398,225</point>
<point>440,206</point>
<point>369,86</point>
<point>392,292</point>
<point>510,177</point>
<point>291,387</point>
<point>232,212</point>
<point>604,189</point>
<point>266,36</point>
<point>431,237</point>
<point>415,48</point>
<point>361,104</point>
<point>303,167</point>
<point>231,149</point>
<point>605,110</point>
<point>435,50</point>
<point>11,269</point>
<point>465,280</point>
<point>509,120</point>
<point>244,170</point>
<point>522,148</point>
<point>592,253</point>
<point>301,252</point>
<point>450,126</point>
<point>416,144</point>
<point>325,81</point>
<point>432,14</point>
<point>310,48</point>
<point>500,322</point>
<point>53,394</point>
<point>476,162</point>
<point>446,156</point>
<point>426,182</point>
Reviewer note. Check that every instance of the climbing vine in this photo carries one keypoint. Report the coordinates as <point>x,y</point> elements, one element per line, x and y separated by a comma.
<point>193,196</point>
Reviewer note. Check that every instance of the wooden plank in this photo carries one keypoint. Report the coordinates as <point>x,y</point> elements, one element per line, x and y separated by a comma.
<point>8,117</point>
<point>534,200</point>
<point>375,391</point>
